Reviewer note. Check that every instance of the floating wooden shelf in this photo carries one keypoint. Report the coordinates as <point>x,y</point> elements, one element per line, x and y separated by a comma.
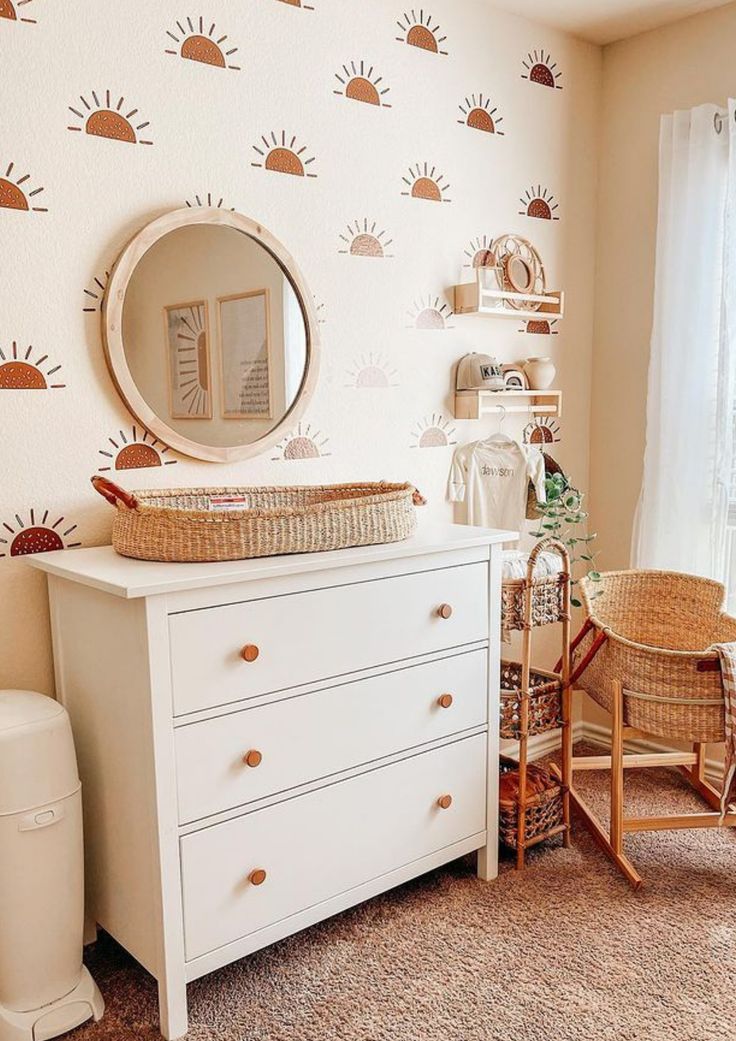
<point>474,404</point>
<point>479,297</point>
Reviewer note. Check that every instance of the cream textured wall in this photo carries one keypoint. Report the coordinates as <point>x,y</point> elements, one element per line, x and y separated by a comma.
<point>209,127</point>
<point>678,67</point>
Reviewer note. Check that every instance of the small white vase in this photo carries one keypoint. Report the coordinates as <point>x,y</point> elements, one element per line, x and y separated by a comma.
<point>540,372</point>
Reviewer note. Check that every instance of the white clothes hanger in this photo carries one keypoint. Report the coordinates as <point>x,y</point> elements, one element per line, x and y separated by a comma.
<point>499,438</point>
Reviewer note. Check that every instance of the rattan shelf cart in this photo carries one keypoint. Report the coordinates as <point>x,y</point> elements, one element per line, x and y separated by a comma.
<point>534,702</point>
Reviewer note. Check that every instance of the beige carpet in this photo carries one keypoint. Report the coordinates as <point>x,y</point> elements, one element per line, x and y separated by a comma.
<point>563,952</point>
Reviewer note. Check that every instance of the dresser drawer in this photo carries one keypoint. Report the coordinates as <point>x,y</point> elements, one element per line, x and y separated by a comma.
<point>237,758</point>
<point>303,637</point>
<point>322,844</point>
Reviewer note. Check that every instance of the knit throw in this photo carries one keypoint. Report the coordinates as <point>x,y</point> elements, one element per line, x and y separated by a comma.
<point>727,655</point>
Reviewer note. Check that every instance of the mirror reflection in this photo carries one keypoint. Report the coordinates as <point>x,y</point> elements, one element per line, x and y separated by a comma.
<point>214,335</point>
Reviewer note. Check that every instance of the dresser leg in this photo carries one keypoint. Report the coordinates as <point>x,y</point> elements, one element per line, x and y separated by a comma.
<point>172,1010</point>
<point>487,868</point>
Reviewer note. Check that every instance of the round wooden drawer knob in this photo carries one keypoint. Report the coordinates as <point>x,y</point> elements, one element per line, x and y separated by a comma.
<point>445,700</point>
<point>257,877</point>
<point>250,652</point>
<point>253,758</point>
<point>444,802</point>
<point>444,611</point>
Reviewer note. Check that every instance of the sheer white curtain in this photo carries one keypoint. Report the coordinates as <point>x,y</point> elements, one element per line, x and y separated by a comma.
<point>683,509</point>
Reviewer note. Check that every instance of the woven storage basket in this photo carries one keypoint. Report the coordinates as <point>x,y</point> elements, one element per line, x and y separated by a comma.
<point>179,525</point>
<point>651,630</point>
<point>545,701</point>
<point>544,811</point>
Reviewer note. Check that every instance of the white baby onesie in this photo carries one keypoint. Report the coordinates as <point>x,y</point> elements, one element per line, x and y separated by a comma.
<point>492,478</point>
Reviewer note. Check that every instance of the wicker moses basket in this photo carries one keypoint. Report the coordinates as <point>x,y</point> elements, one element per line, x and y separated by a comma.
<point>651,631</point>
<point>207,524</point>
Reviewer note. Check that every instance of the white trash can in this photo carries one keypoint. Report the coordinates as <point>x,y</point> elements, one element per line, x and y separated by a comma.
<point>44,988</point>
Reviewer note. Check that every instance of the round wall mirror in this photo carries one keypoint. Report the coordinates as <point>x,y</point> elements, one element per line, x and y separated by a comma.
<point>210,334</point>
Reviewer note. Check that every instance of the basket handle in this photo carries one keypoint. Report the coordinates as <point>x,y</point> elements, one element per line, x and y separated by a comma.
<point>113,493</point>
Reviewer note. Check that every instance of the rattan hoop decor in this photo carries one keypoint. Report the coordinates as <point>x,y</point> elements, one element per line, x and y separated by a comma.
<point>651,631</point>
<point>186,525</point>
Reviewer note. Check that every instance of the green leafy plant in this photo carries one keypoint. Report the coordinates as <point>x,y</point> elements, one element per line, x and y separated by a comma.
<point>562,517</point>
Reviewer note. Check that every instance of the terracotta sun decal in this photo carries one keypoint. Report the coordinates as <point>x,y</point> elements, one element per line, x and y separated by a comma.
<point>479,253</point>
<point>539,68</point>
<point>478,115</point>
<point>134,452</point>
<point>430,313</point>
<point>19,371</point>
<point>540,327</point>
<point>363,240</point>
<point>360,83</point>
<point>433,431</point>
<point>303,443</point>
<point>423,182</point>
<point>95,294</point>
<point>298,3</point>
<point>421,32</point>
<point>540,203</point>
<point>199,43</point>
<point>372,372</point>
<point>35,536</point>
<point>209,200</point>
<point>13,10</point>
<point>15,194</point>
<point>320,310</point>
<point>282,157</point>
<point>107,119</point>
<point>542,431</point>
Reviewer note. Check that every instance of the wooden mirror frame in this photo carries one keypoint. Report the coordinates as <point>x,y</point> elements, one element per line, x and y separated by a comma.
<point>112,331</point>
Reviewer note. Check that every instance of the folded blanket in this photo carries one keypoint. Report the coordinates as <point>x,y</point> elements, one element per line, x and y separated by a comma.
<point>727,654</point>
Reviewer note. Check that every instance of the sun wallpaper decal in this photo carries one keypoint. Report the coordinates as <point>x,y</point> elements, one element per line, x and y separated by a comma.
<point>372,372</point>
<point>479,253</point>
<point>20,371</point>
<point>364,239</point>
<point>282,154</point>
<point>539,68</point>
<point>478,114</point>
<point>540,203</point>
<point>198,42</point>
<point>435,431</point>
<point>383,110</point>
<point>16,192</point>
<point>430,313</point>
<point>360,82</point>
<point>422,32</point>
<point>303,443</point>
<point>424,182</point>
<point>135,451</point>
<point>108,118</point>
<point>16,11</point>
<point>33,535</point>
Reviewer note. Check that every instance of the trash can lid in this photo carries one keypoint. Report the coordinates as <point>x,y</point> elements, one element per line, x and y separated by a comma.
<point>21,708</point>
<point>37,760</point>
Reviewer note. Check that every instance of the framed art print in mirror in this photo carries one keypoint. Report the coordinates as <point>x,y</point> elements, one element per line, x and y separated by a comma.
<point>188,353</point>
<point>245,354</point>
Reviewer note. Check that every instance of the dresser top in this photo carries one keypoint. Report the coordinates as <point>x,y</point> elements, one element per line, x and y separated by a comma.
<point>102,568</point>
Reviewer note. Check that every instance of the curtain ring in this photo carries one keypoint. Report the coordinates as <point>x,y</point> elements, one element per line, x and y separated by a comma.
<point>718,122</point>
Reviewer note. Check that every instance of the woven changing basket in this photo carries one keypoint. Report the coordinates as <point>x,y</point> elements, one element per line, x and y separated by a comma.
<point>181,525</point>
<point>651,630</point>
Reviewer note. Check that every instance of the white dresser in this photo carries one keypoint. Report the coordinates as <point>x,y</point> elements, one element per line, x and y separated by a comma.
<point>265,743</point>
